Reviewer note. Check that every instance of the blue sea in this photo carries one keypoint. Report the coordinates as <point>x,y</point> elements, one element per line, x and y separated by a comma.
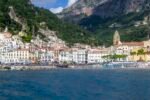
<point>66,84</point>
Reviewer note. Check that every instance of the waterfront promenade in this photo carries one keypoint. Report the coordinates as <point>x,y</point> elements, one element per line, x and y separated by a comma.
<point>111,65</point>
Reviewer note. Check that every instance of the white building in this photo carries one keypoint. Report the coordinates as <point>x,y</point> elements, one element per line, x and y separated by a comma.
<point>65,56</point>
<point>79,56</point>
<point>122,50</point>
<point>96,55</point>
<point>46,55</point>
<point>21,56</point>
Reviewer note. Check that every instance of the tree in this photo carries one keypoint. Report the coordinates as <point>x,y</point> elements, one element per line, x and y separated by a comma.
<point>114,57</point>
<point>133,53</point>
<point>119,57</point>
<point>141,52</point>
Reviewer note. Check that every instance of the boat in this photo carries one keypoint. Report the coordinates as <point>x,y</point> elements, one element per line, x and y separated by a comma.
<point>62,66</point>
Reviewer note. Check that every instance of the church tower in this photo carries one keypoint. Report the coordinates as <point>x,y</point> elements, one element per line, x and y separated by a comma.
<point>116,38</point>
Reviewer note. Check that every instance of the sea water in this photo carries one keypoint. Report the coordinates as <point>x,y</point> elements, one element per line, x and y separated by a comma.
<point>65,84</point>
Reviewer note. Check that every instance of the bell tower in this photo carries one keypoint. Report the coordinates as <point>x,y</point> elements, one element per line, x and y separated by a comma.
<point>116,38</point>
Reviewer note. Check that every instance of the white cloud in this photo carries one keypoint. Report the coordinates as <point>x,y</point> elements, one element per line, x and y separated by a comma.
<point>57,10</point>
<point>45,3</point>
<point>60,9</point>
<point>71,2</point>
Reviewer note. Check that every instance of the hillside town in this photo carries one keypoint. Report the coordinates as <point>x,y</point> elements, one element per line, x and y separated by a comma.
<point>15,52</point>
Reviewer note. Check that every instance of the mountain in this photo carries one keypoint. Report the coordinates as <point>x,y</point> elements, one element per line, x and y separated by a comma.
<point>80,9</point>
<point>103,8</point>
<point>103,17</point>
<point>22,15</point>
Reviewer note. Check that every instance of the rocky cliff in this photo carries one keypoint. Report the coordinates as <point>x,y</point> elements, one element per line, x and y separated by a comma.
<point>103,8</point>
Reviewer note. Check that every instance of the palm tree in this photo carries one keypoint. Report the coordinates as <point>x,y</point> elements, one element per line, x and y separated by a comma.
<point>133,54</point>
<point>141,52</point>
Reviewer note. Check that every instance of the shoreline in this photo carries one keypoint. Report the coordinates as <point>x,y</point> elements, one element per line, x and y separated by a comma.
<point>121,69</point>
<point>143,65</point>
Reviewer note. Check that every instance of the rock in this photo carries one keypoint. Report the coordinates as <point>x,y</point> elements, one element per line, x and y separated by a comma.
<point>102,8</point>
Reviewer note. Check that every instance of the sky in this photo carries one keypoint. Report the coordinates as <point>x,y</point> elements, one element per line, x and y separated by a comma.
<point>55,6</point>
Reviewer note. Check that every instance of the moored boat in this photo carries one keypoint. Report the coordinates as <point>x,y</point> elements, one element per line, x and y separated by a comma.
<point>62,66</point>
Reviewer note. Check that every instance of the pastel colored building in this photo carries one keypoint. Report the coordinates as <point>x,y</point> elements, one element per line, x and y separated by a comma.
<point>96,55</point>
<point>140,54</point>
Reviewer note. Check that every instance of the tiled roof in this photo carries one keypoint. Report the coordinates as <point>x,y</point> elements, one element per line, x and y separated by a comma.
<point>133,43</point>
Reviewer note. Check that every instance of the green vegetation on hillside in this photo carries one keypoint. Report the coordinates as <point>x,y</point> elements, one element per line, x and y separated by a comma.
<point>104,33</point>
<point>101,33</point>
<point>33,16</point>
